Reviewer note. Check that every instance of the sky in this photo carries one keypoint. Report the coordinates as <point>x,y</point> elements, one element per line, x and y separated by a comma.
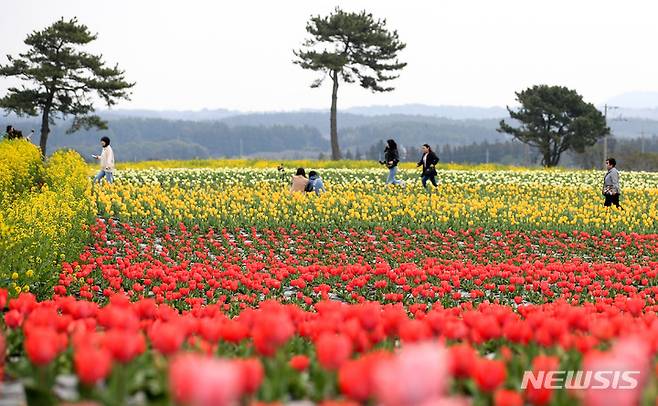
<point>194,54</point>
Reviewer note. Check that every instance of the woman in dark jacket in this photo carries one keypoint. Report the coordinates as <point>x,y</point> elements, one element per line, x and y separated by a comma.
<point>391,160</point>
<point>428,162</point>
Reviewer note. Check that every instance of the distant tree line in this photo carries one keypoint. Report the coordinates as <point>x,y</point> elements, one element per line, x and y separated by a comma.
<point>274,135</point>
<point>637,153</point>
<point>504,152</point>
<point>137,139</point>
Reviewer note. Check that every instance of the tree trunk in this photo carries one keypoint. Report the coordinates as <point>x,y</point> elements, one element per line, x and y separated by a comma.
<point>335,150</point>
<point>551,159</point>
<point>45,130</point>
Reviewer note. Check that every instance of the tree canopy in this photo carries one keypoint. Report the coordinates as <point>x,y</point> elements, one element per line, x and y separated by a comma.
<point>555,119</point>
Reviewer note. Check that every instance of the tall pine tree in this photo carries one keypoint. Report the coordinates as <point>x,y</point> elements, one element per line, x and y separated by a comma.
<point>352,47</point>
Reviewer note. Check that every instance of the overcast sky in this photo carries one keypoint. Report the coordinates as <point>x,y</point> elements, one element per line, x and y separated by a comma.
<point>238,54</point>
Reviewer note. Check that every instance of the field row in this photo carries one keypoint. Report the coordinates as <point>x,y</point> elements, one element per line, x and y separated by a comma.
<point>493,207</point>
<point>501,200</point>
<point>337,176</point>
<point>241,268</point>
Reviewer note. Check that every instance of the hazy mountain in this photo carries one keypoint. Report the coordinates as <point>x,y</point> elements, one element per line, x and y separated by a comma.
<point>453,112</point>
<point>192,115</point>
<point>619,114</point>
<point>642,105</point>
<point>320,121</point>
<point>635,105</point>
<point>636,100</point>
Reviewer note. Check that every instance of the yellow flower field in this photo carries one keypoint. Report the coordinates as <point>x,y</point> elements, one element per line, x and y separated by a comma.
<point>491,199</point>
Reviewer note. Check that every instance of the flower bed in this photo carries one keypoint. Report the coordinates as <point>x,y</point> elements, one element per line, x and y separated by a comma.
<point>336,315</point>
<point>507,200</point>
<point>216,287</point>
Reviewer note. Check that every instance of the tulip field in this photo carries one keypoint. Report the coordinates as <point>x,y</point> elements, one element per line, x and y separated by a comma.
<point>216,286</point>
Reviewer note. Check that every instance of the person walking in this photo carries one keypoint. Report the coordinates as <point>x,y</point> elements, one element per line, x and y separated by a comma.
<point>391,160</point>
<point>428,161</point>
<point>611,188</point>
<point>107,162</point>
<point>315,183</point>
<point>299,181</point>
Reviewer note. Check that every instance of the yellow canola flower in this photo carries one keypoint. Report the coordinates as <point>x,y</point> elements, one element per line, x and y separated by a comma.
<point>44,212</point>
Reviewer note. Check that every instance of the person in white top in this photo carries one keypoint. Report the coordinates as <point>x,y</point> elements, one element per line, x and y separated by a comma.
<point>107,162</point>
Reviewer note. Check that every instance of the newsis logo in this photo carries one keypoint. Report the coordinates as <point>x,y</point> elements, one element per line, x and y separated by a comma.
<point>580,379</point>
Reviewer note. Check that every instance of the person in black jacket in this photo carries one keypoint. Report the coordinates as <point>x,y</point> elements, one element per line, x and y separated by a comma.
<point>391,160</point>
<point>428,162</point>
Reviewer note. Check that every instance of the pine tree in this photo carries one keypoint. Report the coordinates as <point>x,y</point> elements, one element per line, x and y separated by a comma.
<point>60,78</point>
<point>555,119</point>
<point>352,47</point>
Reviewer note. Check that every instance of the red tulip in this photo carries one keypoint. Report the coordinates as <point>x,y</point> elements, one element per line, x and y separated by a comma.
<point>299,362</point>
<point>462,360</point>
<point>271,330</point>
<point>489,374</point>
<point>92,364</point>
<point>211,329</point>
<point>166,337</point>
<point>124,345</point>
<point>414,330</point>
<point>252,374</point>
<point>505,397</point>
<point>24,303</point>
<point>43,345</point>
<point>13,319</point>
<point>234,331</point>
<point>333,350</point>
<point>3,298</point>
<point>356,378</point>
